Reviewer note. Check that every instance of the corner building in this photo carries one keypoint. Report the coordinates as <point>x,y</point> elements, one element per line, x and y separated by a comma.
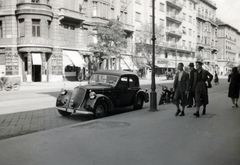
<point>207,34</point>
<point>46,40</point>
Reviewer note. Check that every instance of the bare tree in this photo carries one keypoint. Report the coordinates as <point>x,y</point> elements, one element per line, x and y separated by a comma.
<point>111,39</point>
<point>143,43</point>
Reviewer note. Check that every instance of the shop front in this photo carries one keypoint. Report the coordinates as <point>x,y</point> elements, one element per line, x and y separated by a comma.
<point>74,66</point>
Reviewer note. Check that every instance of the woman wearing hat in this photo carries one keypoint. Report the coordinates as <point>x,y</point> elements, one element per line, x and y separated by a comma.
<point>233,90</point>
<point>201,79</point>
<point>191,95</point>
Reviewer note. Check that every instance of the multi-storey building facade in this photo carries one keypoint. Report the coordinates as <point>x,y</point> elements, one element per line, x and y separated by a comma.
<point>46,40</point>
<point>207,33</point>
<point>228,46</point>
<point>178,18</point>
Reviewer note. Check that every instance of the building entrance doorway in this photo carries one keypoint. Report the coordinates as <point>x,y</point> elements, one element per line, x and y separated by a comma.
<point>36,73</point>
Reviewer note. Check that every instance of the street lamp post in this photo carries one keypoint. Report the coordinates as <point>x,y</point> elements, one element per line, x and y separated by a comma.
<point>153,94</point>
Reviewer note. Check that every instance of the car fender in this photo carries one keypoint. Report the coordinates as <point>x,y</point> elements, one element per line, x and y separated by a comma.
<point>63,100</point>
<point>142,93</point>
<point>90,103</point>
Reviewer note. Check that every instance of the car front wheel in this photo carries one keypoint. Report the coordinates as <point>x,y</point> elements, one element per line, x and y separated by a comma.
<point>64,113</point>
<point>100,110</point>
<point>139,103</point>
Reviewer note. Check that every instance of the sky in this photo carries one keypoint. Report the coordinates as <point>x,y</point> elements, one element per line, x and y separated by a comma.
<point>229,12</point>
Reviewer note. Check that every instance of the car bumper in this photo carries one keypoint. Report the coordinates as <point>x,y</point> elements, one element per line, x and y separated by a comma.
<point>79,111</point>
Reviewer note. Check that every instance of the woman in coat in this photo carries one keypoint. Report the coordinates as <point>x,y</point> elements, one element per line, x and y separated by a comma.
<point>233,90</point>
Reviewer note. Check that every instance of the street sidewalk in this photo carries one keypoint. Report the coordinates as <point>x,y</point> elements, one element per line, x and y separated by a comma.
<point>135,138</point>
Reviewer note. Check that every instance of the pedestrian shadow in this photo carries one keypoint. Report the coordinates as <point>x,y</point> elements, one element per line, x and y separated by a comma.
<point>206,116</point>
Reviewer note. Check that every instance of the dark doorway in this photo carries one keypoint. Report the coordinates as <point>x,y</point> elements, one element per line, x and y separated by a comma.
<point>36,73</point>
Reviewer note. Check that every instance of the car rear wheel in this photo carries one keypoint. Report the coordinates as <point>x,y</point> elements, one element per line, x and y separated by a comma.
<point>139,103</point>
<point>64,113</point>
<point>100,110</point>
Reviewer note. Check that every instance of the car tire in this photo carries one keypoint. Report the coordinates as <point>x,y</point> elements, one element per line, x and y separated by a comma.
<point>100,110</point>
<point>139,103</point>
<point>64,113</point>
<point>7,87</point>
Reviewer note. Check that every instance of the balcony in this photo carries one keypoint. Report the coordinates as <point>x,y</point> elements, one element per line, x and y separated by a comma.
<point>175,4</point>
<point>71,15</point>
<point>210,3</point>
<point>174,32</point>
<point>194,1</point>
<point>34,8</point>
<point>129,28</point>
<point>34,41</point>
<point>174,18</point>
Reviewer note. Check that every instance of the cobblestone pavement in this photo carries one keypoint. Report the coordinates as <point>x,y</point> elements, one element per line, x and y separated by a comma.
<point>16,124</point>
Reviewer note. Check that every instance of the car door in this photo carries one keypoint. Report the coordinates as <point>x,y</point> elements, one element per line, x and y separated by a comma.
<point>125,90</point>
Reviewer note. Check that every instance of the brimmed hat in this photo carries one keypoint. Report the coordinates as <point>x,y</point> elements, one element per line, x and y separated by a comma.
<point>199,62</point>
<point>191,64</point>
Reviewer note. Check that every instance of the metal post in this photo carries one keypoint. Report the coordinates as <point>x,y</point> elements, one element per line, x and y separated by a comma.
<point>153,94</point>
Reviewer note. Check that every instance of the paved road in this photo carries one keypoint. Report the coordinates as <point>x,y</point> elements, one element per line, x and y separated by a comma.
<point>32,108</point>
<point>137,138</point>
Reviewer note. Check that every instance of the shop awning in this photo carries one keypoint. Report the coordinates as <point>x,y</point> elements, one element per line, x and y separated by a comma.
<point>74,57</point>
<point>127,63</point>
<point>36,59</point>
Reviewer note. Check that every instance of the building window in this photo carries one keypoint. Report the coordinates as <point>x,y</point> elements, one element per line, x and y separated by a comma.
<point>190,32</point>
<point>190,44</point>
<point>161,7</point>
<point>162,22</point>
<point>35,1</point>
<point>138,1</point>
<point>21,28</point>
<point>1,30</point>
<point>190,19</point>
<point>49,29</point>
<point>183,42</point>
<point>184,16</point>
<point>184,3</point>
<point>138,16</point>
<point>166,55</point>
<point>184,30</point>
<point>190,5</point>
<point>72,33</point>
<point>35,28</point>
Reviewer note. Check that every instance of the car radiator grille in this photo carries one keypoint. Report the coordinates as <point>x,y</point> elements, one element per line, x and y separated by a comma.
<point>78,96</point>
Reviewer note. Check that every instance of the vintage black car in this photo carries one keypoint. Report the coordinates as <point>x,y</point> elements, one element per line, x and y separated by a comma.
<point>106,90</point>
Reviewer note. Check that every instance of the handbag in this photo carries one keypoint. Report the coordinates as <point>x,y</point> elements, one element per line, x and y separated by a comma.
<point>209,85</point>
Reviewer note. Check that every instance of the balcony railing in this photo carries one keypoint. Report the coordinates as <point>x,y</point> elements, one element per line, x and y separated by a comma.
<point>173,17</point>
<point>34,8</point>
<point>175,3</point>
<point>128,27</point>
<point>174,31</point>
<point>71,14</point>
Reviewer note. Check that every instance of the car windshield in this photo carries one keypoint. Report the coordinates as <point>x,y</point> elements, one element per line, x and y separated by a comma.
<point>103,78</point>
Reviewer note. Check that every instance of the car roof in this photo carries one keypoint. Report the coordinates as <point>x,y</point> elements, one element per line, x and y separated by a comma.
<point>114,72</point>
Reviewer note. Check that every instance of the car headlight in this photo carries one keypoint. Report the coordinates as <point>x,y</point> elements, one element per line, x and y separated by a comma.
<point>92,95</point>
<point>63,91</point>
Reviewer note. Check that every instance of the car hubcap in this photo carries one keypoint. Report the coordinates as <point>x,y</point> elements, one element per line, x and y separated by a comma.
<point>100,110</point>
<point>139,101</point>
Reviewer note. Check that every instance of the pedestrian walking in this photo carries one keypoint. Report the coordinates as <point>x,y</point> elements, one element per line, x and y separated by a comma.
<point>180,86</point>
<point>191,95</point>
<point>233,90</point>
<point>216,79</point>
<point>202,81</point>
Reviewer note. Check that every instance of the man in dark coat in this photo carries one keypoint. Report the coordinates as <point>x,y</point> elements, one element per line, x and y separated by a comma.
<point>180,86</point>
<point>191,95</point>
<point>202,80</point>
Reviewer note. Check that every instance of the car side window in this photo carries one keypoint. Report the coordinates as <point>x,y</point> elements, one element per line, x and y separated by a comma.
<point>123,83</point>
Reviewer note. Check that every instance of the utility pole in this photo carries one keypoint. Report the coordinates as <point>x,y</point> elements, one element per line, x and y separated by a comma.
<point>153,94</point>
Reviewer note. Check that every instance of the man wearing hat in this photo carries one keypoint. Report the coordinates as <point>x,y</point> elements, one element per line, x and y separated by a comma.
<point>201,81</point>
<point>191,95</point>
<point>180,86</point>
